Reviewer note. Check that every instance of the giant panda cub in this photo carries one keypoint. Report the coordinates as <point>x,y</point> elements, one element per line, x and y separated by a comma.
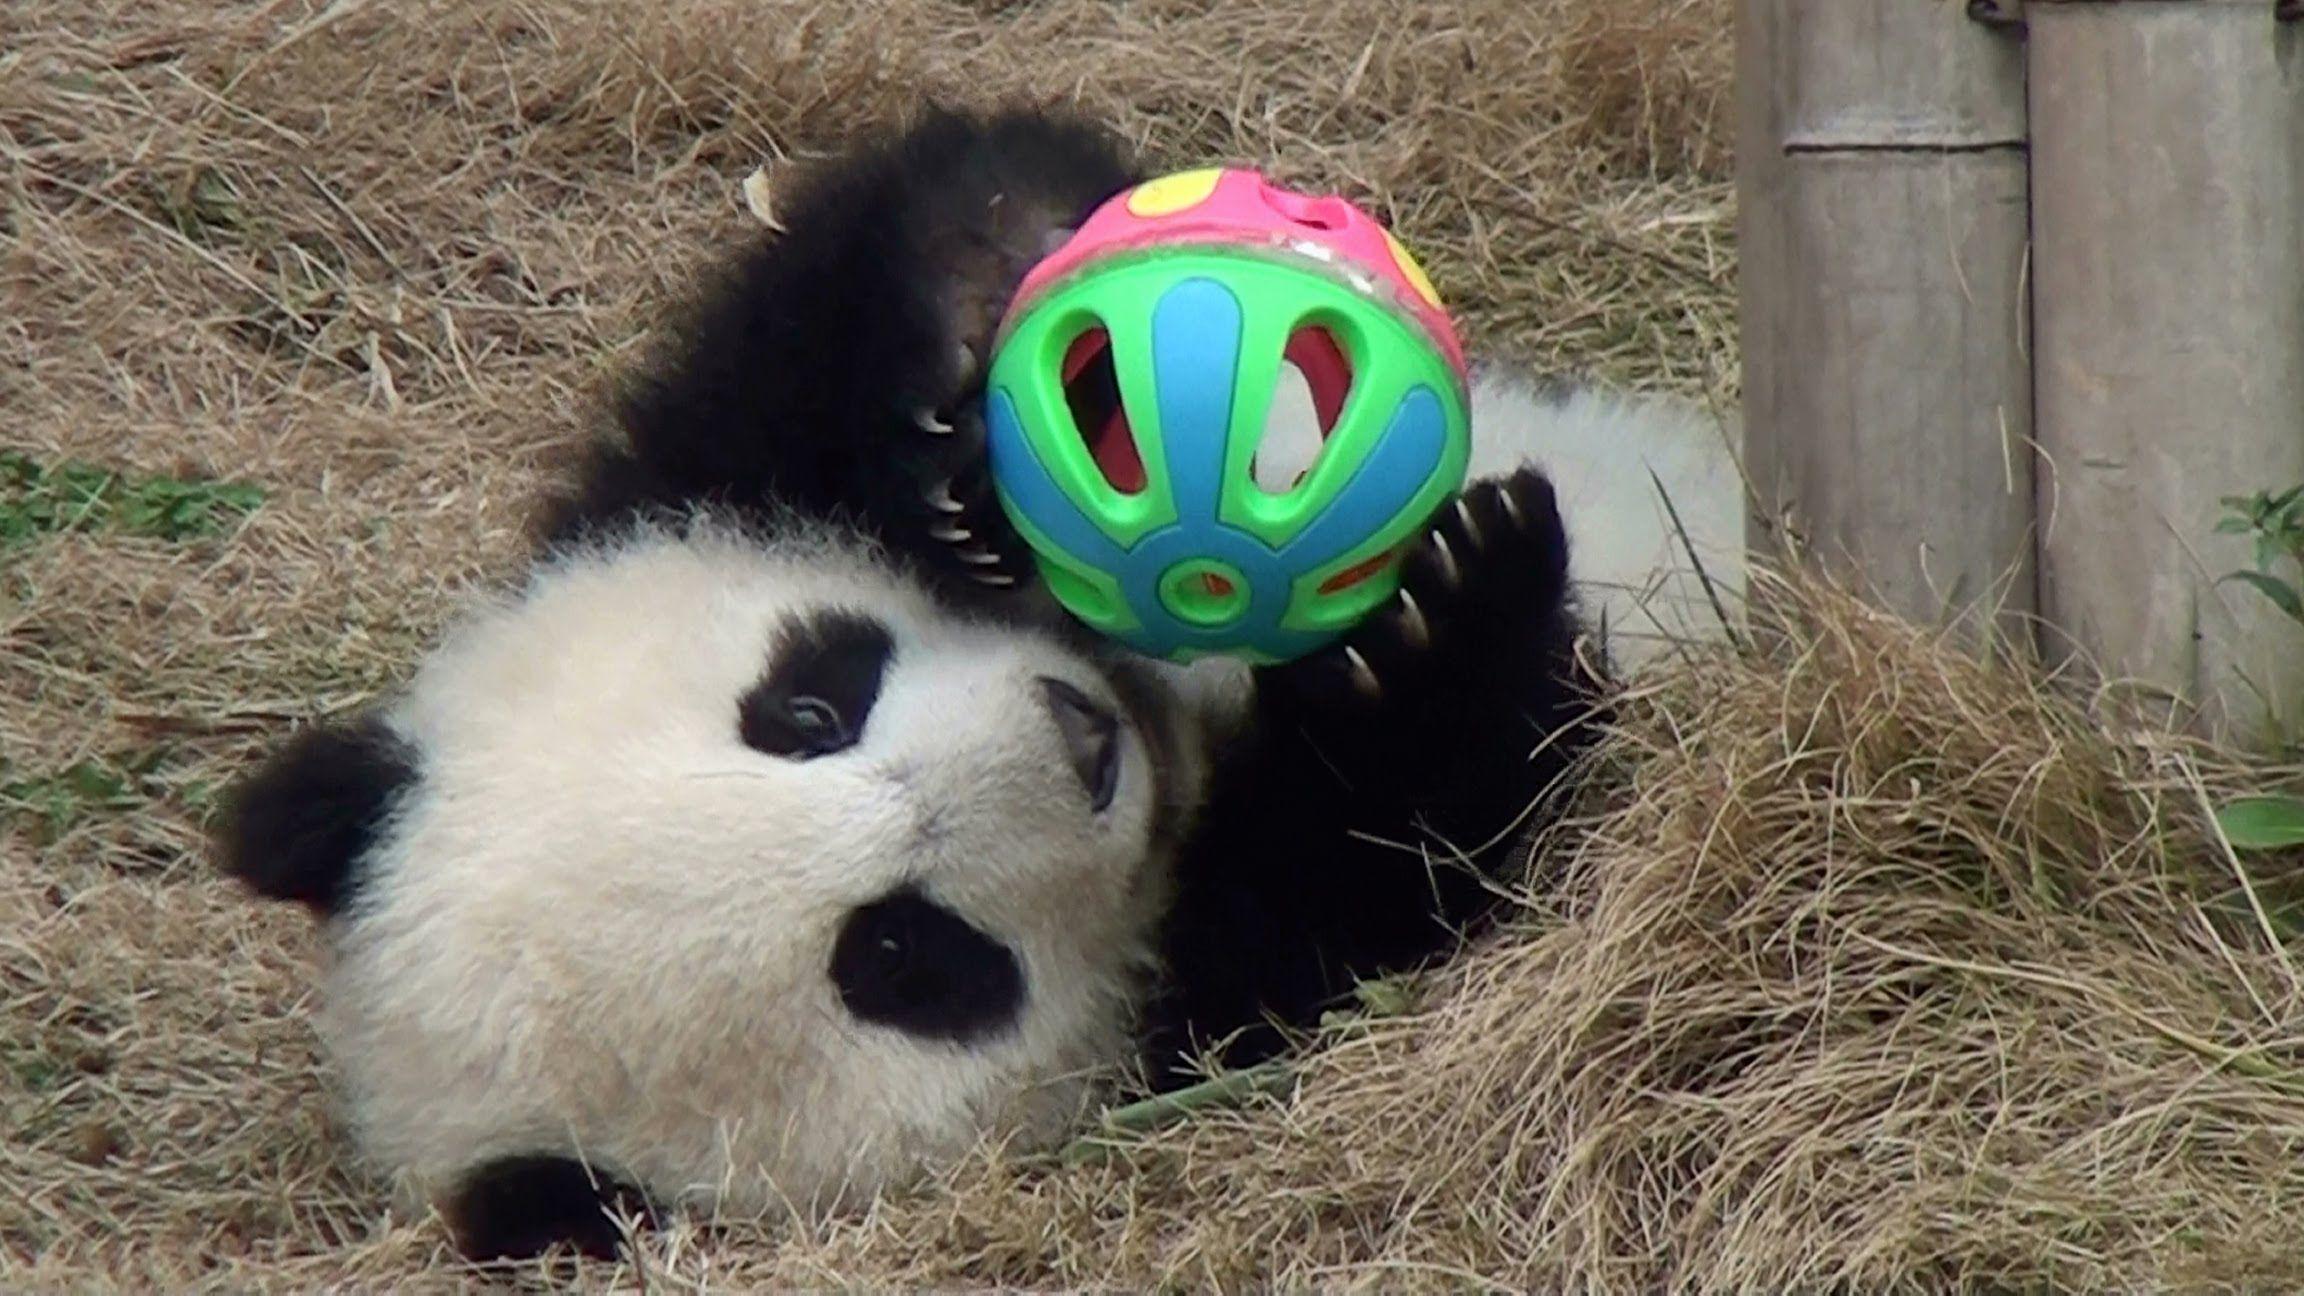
<point>774,840</point>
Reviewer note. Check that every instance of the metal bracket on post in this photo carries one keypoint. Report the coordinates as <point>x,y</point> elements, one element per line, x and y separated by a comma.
<point>2007,16</point>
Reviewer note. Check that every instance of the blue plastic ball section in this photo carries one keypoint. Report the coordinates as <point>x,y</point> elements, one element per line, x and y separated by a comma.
<point>1196,336</point>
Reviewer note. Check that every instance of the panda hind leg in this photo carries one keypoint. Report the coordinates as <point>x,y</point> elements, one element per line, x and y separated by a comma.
<point>522,1207</point>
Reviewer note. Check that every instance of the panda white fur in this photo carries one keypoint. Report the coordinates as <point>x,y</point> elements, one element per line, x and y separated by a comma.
<point>775,841</point>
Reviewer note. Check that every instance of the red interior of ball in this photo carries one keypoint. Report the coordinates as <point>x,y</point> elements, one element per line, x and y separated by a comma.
<point>1316,355</point>
<point>1092,389</point>
<point>1357,573</point>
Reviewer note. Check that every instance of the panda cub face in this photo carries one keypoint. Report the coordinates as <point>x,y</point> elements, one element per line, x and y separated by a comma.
<point>743,868</point>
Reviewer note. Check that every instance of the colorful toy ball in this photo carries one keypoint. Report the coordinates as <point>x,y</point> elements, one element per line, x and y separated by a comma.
<point>1128,397</point>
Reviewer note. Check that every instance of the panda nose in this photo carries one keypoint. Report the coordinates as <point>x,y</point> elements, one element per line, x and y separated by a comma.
<point>1091,739</point>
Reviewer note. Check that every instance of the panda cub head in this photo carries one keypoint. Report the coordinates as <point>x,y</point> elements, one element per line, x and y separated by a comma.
<point>731,864</point>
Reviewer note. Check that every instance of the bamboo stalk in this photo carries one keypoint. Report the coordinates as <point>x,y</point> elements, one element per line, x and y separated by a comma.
<point>2168,219</point>
<point>1882,230</point>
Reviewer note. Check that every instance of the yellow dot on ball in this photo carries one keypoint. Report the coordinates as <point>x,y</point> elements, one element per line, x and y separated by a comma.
<point>1415,272</point>
<point>1170,194</point>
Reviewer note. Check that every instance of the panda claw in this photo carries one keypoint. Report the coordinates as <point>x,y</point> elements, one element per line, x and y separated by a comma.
<point>1471,527</point>
<point>939,497</point>
<point>949,533</point>
<point>931,424</point>
<point>1413,625</point>
<point>979,558</point>
<point>1363,676</point>
<point>997,580</point>
<point>1450,573</point>
<point>1512,509</point>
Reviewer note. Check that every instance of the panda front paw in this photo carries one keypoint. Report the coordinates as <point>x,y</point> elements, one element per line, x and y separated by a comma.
<point>1494,556</point>
<point>960,510</point>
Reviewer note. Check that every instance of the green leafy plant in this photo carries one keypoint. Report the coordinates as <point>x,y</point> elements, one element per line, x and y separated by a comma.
<point>56,802</point>
<point>2276,522</point>
<point>2263,822</point>
<point>38,499</point>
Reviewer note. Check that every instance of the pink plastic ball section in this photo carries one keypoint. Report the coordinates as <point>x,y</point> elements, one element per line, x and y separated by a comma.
<point>1239,206</point>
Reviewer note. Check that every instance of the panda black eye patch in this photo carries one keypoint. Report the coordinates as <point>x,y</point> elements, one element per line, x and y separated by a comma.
<point>822,678</point>
<point>907,962</point>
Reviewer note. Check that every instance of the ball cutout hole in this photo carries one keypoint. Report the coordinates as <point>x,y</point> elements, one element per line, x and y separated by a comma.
<point>1356,573</point>
<point>1204,592</point>
<point>1307,399</point>
<point>1292,434</point>
<point>1323,212</point>
<point>1092,393</point>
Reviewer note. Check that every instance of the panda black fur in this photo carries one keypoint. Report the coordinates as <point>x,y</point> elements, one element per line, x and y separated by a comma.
<point>777,840</point>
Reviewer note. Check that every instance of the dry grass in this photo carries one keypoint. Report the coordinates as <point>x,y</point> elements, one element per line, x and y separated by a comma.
<point>1877,970</point>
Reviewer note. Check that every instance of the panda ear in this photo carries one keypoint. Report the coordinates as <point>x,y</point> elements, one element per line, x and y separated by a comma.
<point>298,826</point>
